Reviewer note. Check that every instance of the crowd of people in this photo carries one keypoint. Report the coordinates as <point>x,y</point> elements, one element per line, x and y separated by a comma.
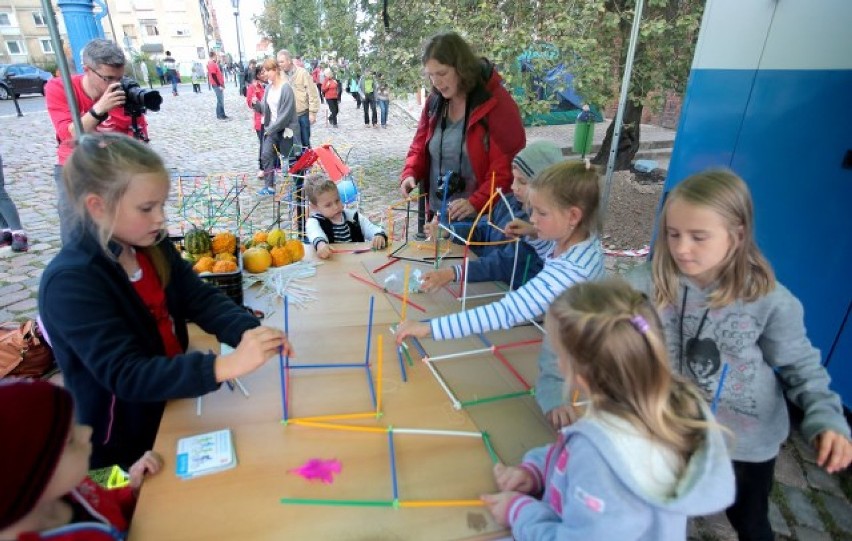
<point>631,377</point>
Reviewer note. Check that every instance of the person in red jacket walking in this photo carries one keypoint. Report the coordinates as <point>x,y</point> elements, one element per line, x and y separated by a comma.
<point>44,462</point>
<point>469,131</point>
<point>331,92</point>
<point>254,100</point>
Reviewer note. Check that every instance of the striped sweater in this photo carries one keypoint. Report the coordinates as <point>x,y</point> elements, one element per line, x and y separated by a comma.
<point>583,261</point>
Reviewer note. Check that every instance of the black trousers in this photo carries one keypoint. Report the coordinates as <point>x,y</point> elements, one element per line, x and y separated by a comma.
<point>332,110</point>
<point>750,513</point>
<point>259,147</point>
<point>370,100</point>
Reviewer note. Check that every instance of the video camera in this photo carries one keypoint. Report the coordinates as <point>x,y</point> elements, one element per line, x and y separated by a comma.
<point>451,182</point>
<point>137,100</point>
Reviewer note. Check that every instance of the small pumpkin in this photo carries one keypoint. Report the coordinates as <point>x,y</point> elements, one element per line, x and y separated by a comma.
<point>205,264</point>
<point>276,238</point>
<point>296,250</point>
<point>224,243</point>
<point>260,236</point>
<point>256,260</point>
<point>226,257</point>
<point>221,267</point>
<point>196,241</point>
<point>280,256</point>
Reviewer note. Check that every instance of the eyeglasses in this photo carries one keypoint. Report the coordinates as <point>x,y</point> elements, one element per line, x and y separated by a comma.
<point>108,79</point>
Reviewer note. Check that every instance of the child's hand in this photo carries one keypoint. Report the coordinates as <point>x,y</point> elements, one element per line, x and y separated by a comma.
<point>834,451</point>
<point>324,251</point>
<point>150,463</point>
<point>379,242</point>
<point>519,228</point>
<point>561,416</point>
<point>498,505</point>
<point>412,328</point>
<point>512,478</point>
<point>256,347</point>
<point>435,279</point>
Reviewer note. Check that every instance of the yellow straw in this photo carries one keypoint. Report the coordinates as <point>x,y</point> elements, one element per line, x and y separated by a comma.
<point>442,503</point>
<point>379,375</point>
<point>339,416</point>
<point>333,426</point>
<point>405,291</point>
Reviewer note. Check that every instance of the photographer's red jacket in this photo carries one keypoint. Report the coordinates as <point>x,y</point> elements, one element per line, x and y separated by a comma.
<point>60,114</point>
<point>494,135</point>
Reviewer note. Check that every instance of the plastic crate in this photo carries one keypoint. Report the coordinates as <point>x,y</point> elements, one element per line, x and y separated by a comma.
<point>231,283</point>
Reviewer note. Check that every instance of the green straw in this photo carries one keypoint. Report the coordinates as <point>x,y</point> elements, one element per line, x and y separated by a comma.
<point>487,439</point>
<point>407,356</point>
<point>494,398</point>
<point>526,269</point>
<point>354,503</point>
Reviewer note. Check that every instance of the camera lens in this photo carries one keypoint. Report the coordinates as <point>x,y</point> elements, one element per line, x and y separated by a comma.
<point>137,99</point>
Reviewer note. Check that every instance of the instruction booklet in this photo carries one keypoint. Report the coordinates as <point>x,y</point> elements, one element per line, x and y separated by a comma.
<point>205,453</point>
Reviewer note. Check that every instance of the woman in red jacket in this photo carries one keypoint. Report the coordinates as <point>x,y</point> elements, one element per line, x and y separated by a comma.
<point>254,99</point>
<point>331,92</point>
<point>469,131</point>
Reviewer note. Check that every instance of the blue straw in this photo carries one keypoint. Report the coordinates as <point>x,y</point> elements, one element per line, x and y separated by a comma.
<point>281,362</point>
<point>393,464</point>
<point>370,383</point>
<point>401,363</point>
<point>484,340</point>
<point>719,388</point>
<point>369,332</point>
<point>417,345</point>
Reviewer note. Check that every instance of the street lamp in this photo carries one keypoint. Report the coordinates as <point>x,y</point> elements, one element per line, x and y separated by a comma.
<point>236,4</point>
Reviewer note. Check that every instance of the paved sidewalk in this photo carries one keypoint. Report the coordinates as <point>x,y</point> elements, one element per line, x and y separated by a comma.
<point>809,504</point>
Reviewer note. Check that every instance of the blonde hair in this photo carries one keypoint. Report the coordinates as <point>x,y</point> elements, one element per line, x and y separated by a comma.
<point>317,184</point>
<point>744,273</point>
<point>572,184</point>
<point>270,64</point>
<point>615,342</point>
<point>103,165</point>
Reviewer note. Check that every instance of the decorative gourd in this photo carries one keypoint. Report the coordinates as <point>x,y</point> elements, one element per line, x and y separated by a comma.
<point>205,264</point>
<point>226,257</point>
<point>280,256</point>
<point>224,266</point>
<point>296,250</point>
<point>196,241</point>
<point>224,243</point>
<point>262,246</point>
<point>276,238</point>
<point>256,260</point>
<point>260,236</point>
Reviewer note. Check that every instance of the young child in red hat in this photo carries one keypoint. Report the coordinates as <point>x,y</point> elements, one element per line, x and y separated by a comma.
<point>44,461</point>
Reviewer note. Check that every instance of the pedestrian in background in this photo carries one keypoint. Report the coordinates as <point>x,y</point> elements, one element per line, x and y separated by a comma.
<point>217,82</point>
<point>331,92</point>
<point>170,65</point>
<point>197,77</point>
<point>254,100</point>
<point>367,86</point>
<point>11,231</point>
<point>383,99</point>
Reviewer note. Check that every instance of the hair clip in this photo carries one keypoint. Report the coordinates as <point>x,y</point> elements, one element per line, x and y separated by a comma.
<point>588,163</point>
<point>640,324</point>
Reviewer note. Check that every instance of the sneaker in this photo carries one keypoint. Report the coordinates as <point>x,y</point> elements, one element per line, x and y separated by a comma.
<point>265,191</point>
<point>5,238</point>
<point>19,242</point>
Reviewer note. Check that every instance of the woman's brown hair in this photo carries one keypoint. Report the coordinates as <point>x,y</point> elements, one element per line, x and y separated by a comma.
<point>452,50</point>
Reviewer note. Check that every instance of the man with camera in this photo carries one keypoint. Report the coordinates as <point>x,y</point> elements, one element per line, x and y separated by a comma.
<point>100,97</point>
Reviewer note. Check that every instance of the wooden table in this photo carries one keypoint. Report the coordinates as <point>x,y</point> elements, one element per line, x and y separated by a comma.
<point>245,502</point>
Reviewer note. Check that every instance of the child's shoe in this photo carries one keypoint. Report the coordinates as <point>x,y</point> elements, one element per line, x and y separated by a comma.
<point>5,238</point>
<point>266,191</point>
<point>19,242</point>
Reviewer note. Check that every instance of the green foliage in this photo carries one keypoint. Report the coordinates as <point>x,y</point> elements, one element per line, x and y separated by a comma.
<point>591,37</point>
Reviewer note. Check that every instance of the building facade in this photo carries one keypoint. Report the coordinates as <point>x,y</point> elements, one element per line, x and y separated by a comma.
<point>24,36</point>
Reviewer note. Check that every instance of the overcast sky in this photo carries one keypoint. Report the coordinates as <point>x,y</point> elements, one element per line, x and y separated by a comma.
<point>228,28</point>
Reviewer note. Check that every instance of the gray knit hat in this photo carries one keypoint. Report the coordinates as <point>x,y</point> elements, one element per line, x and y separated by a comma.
<point>536,157</point>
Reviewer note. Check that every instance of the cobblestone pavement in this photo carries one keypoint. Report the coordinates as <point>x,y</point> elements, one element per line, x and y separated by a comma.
<point>807,503</point>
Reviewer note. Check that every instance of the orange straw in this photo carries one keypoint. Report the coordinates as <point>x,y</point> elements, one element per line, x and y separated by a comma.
<point>339,416</point>
<point>333,426</point>
<point>404,291</point>
<point>379,374</point>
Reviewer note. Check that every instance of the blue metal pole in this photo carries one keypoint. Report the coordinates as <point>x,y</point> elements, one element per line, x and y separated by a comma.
<point>81,25</point>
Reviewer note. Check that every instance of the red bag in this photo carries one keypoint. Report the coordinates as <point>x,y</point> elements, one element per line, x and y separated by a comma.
<point>24,352</point>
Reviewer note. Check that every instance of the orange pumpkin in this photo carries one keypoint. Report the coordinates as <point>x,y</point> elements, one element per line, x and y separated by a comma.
<point>204,264</point>
<point>280,256</point>
<point>260,236</point>
<point>296,250</point>
<point>226,257</point>
<point>224,266</point>
<point>256,260</point>
<point>224,243</point>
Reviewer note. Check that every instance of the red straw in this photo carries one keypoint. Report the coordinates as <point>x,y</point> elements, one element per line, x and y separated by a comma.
<point>369,283</point>
<point>385,265</point>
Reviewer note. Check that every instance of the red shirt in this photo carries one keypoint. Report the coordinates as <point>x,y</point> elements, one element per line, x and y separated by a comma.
<point>151,291</point>
<point>214,74</point>
<point>60,114</point>
<point>329,88</point>
<point>255,90</point>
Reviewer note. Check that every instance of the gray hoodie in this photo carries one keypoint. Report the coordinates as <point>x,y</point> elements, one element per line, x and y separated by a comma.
<point>768,354</point>
<point>588,491</point>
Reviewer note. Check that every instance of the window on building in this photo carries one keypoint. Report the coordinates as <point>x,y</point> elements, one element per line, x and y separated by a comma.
<point>149,27</point>
<point>46,46</point>
<point>181,30</point>
<point>38,18</point>
<point>15,47</point>
<point>5,19</point>
<point>129,30</point>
